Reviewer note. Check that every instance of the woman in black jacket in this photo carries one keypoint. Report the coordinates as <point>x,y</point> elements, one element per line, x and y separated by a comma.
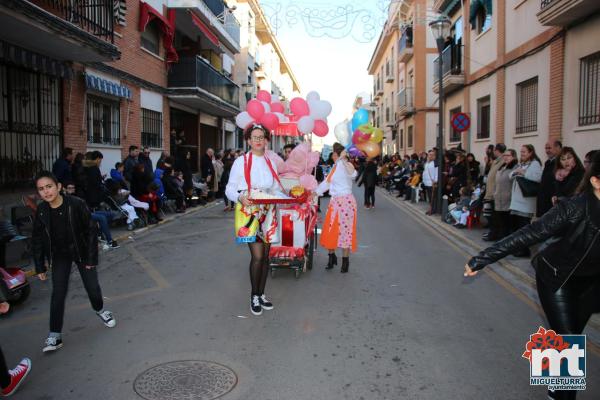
<point>369,179</point>
<point>63,234</point>
<point>568,173</point>
<point>568,268</point>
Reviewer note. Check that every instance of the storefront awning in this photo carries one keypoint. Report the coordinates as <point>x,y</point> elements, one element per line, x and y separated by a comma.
<point>205,30</point>
<point>167,27</point>
<point>36,62</point>
<point>107,87</point>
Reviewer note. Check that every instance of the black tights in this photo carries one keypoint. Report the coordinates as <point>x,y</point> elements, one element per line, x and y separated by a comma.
<point>259,266</point>
<point>4,375</point>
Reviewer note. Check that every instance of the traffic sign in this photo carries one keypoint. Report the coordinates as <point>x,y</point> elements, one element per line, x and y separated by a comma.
<point>461,122</point>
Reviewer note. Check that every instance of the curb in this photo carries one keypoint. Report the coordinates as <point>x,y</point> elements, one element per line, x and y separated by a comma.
<point>521,281</point>
<point>125,236</point>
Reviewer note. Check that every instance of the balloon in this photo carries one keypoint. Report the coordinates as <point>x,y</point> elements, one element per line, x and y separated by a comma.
<point>360,137</point>
<point>376,136</point>
<point>360,117</point>
<point>267,106</point>
<point>265,96</point>
<point>270,121</point>
<point>319,109</point>
<point>321,128</point>
<point>342,134</point>
<point>255,109</point>
<point>243,120</point>
<point>275,98</point>
<point>354,152</point>
<point>277,107</point>
<point>281,117</point>
<point>306,124</point>
<point>299,107</point>
<point>370,149</point>
<point>312,96</point>
<point>366,128</point>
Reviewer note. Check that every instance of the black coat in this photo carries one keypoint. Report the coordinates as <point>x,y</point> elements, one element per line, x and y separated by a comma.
<point>574,230</point>
<point>546,188</point>
<point>172,189</point>
<point>82,231</point>
<point>370,174</point>
<point>567,187</point>
<point>183,165</point>
<point>207,167</point>
<point>139,184</point>
<point>93,191</point>
<point>62,170</point>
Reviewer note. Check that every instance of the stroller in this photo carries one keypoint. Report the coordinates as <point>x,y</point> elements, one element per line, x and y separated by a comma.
<point>115,200</point>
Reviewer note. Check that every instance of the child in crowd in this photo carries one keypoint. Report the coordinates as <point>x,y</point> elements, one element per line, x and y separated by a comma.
<point>460,213</point>
<point>116,174</point>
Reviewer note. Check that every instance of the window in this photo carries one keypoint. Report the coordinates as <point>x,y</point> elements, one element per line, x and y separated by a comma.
<point>589,90</point>
<point>483,118</point>
<point>527,106</point>
<point>151,128</point>
<point>401,138</point>
<point>484,20</point>
<point>480,15</point>
<point>151,38</point>
<point>103,121</point>
<point>454,134</point>
<point>409,139</point>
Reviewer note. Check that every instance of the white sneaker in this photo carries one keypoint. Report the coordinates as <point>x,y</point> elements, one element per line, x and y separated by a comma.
<point>52,344</point>
<point>265,303</point>
<point>108,319</point>
<point>255,306</point>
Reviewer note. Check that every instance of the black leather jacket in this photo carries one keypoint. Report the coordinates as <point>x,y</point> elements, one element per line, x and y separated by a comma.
<point>570,231</point>
<point>82,232</point>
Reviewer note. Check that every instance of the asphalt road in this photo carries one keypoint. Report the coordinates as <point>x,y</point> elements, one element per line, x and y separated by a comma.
<point>403,324</point>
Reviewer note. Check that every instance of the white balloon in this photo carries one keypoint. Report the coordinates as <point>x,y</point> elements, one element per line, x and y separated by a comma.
<point>267,106</point>
<point>319,109</point>
<point>243,119</point>
<point>341,133</point>
<point>275,98</point>
<point>312,96</point>
<point>306,124</point>
<point>282,117</point>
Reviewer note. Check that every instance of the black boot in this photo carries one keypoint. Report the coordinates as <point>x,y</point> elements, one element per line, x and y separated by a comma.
<point>345,264</point>
<point>332,261</point>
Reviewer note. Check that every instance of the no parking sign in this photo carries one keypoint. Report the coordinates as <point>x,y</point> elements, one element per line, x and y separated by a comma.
<point>461,122</point>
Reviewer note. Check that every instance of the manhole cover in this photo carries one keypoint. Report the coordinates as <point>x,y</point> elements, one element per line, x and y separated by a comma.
<point>185,380</point>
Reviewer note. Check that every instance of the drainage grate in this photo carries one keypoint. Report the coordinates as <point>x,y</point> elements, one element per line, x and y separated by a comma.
<point>185,380</point>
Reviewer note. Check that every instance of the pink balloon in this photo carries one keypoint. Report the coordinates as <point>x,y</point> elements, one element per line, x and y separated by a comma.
<point>277,107</point>
<point>299,106</point>
<point>255,109</point>
<point>270,121</point>
<point>321,128</point>
<point>265,96</point>
<point>360,137</point>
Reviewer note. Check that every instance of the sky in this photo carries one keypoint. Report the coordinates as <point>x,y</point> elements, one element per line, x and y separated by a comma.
<point>328,45</point>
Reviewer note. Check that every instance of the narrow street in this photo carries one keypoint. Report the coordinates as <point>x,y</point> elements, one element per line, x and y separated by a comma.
<point>403,324</point>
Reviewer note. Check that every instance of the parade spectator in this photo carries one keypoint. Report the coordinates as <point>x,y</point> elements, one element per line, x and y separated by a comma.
<point>172,190</point>
<point>587,160</point>
<point>64,230</point>
<point>473,169</point>
<point>183,165</point>
<point>544,198</point>
<point>116,174</point>
<point>457,176</point>
<point>567,269</point>
<point>489,158</point>
<point>287,149</point>
<point>144,158</point>
<point>163,157</point>
<point>157,179</point>
<point>567,175</point>
<point>502,195</point>
<point>497,162</point>
<point>11,379</point>
<point>430,177</point>
<point>93,191</point>
<point>120,198</point>
<point>62,166</point>
<point>131,161</point>
<point>227,164</point>
<point>369,180</point>
<point>218,167</point>
<point>78,175</point>
<point>522,208</point>
<point>413,182</point>
<point>208,170</point>
<point>461,212</point>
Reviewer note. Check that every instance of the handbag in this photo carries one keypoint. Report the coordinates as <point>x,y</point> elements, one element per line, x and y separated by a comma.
<point>528,187</point>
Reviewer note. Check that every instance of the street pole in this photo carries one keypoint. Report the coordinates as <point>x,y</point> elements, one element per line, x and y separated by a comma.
<point>440,139</point>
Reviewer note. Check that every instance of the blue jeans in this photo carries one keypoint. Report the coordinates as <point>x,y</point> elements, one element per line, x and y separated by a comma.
<point>103,218</point>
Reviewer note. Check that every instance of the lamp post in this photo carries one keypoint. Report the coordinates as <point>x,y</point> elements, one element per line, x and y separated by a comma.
<point>440,28</point>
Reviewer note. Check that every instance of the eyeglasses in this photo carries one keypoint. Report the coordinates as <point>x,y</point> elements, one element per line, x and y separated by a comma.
<point>257,138</point>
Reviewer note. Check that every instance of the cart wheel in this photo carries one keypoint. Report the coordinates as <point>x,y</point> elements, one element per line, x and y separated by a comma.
<point>297,273</point>
<point>272,273</point>
<point>310,253</point>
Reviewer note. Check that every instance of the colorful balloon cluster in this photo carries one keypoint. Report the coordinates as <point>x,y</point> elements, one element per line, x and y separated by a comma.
<point>364,139</point>
<point>266,110</point>
<point>312,113</point>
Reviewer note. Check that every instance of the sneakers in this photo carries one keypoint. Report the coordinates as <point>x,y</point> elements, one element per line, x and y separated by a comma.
<point>130,226</point>
<point>255,306</point>
<point>52,344</point>
<point>265,303</point>
<point>108,319</point>
<point>17,376</point>
<point>114,245</point>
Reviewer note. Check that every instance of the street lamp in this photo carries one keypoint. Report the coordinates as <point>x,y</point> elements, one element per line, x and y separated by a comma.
<point>440,28</point>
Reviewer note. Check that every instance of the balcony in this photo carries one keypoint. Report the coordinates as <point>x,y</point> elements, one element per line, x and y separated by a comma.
<point>406,105</point>
<point>565,12</point>
<point>405,45</point>
<point>453,76</point>
<point>389,72</point>
<point>197,84</point>
<point>61,29</point>
<point>223,25</point>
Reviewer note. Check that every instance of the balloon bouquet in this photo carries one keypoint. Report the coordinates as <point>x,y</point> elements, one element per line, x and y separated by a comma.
<point>265,109</point>
<point>312,114</point>
<point>364,139</point>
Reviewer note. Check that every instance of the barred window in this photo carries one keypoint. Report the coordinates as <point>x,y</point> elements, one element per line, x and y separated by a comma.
<point>483,118</point>
<point>527,105</point>
<point>454,134</point>
<point>409,139</point>
<point>151,128</point>
<point>103,121</point>
<point>589,90</point>
<point>151,38</point>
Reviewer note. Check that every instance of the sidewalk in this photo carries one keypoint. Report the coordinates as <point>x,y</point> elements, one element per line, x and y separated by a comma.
<point>518,272</point>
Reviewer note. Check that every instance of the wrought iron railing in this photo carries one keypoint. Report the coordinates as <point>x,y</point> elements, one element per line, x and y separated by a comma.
<point>405,98</point>
<point>93,16</point>
<point>406,41</point>
<point>192,72</point>
<point>451,62</point>
<point>546,3</point>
